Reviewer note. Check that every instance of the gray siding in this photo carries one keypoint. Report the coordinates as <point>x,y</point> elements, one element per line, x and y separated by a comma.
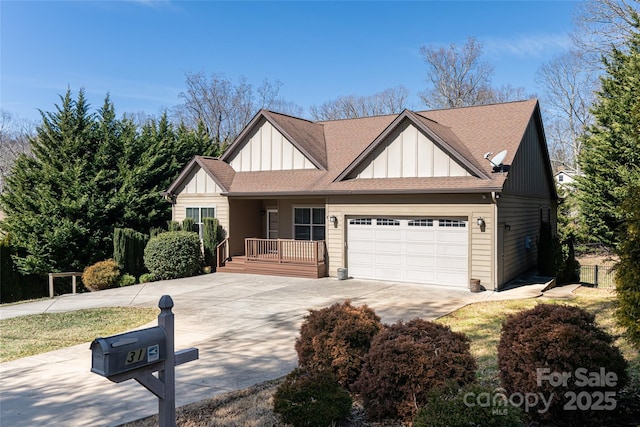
<point>527,198</point>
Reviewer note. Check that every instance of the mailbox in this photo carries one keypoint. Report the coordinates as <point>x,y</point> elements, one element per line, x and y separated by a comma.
<point>125,352</point>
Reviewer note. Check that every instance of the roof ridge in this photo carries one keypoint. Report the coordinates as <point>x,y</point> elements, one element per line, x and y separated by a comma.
<point>478,105</point>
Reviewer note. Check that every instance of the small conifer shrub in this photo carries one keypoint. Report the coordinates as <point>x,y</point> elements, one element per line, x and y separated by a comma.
<point>409,360</point>
<point>101,275</point>
<point>337,338</point>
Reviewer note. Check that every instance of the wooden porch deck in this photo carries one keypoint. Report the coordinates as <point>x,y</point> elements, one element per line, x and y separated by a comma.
<point>289,258</point>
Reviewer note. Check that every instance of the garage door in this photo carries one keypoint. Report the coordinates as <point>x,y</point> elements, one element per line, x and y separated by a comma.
<point>419,250</point>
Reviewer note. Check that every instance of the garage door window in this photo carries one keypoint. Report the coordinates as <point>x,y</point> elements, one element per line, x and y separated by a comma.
<point>451,223</point>
<point>309,224</point>
<point>386,221</point>
<point>421,223</point>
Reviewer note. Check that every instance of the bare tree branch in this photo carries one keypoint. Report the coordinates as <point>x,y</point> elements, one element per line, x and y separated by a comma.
<point>389,101</point>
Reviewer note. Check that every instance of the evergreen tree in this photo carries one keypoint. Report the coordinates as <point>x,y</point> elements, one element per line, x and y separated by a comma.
<point>88,174</point>
<point>612,144</point>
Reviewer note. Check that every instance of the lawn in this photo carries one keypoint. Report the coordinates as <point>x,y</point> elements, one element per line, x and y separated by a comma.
<point>481,322</point>
<point>34,334</point>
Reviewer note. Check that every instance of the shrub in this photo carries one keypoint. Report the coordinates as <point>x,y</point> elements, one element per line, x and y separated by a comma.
<point>210,240</point>
<point>174,226</point>
<point>128,250</point>
<point>311,398</point>
<point>550,340</point>
<point>154,231</point>
<point>188,224</point>
<point>337,338</point>
<point>173,254</point>
<point>472,405</point>
<point>126,280</point>
<point>409,360</point>
<point>147,277</point>
<point>101,275</point>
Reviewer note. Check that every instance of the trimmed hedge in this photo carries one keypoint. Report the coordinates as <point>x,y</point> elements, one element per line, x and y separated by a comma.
<point>409,360</point>
<point>337,338</point>
<point>173,254</point>
<point>540,346</point>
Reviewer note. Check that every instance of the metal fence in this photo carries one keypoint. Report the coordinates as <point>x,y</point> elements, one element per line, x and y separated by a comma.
<point>598,275</point>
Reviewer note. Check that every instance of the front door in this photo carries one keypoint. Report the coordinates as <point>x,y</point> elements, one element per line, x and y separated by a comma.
<point>272,224</point>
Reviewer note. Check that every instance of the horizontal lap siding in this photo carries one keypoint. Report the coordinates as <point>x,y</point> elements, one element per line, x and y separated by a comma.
<point>469,207</point>
<point>220,203</point>
<point>520,218</point>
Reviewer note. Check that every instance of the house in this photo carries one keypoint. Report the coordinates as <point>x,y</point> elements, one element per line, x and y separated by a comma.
<point>410,197</point>
<point>566,178</point>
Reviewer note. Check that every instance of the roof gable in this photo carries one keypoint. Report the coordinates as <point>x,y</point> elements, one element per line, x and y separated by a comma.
<point>413,146</point>
<point>273,141</point>
<point>200,173</point>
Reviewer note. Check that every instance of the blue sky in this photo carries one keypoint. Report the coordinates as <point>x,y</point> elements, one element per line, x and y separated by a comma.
<point>139,51</point>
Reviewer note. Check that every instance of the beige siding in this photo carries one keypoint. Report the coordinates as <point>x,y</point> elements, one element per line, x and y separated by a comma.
<point>200,191</point>
<point>409,154</point>
<point>266,149</point>
<point>481,242</point>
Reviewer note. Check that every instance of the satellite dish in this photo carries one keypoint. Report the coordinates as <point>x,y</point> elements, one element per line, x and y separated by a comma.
<point>497,159</point>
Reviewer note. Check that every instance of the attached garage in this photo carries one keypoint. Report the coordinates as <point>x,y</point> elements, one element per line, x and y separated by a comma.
<point>418,250</point>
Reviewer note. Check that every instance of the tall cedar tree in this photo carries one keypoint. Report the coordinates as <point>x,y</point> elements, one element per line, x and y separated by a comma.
<point>612,144</point>
<point>88,174</point>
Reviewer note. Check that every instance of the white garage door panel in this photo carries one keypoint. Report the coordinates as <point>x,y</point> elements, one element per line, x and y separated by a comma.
<point>422,250</point>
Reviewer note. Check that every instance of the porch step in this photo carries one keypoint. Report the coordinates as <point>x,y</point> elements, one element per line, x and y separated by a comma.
<point>241,265</point>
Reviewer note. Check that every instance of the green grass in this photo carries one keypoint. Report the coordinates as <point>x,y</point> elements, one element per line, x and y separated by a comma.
<point>34,334</point>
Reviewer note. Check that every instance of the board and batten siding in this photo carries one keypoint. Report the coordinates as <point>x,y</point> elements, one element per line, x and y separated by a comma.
<point>527,197</point>
<point>409,153</point>
<point>480,256</point>
<point>266,149</point>
<point>201,191</point>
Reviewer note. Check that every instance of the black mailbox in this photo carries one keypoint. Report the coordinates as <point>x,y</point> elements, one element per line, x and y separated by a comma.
<point>125,352</point>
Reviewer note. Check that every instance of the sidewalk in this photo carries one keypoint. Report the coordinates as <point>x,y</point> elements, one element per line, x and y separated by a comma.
<point>244,326</point>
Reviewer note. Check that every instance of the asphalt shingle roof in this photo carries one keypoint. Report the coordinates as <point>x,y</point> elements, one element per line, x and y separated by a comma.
<point>335,146</point>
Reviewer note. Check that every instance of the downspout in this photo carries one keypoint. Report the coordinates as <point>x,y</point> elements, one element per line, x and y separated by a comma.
<point>496,247</point>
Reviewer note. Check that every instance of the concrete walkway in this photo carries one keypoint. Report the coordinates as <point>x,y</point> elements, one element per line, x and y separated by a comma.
<point>245,327</point>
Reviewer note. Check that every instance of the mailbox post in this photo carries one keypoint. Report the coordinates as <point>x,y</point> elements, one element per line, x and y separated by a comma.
<point>138,354</point>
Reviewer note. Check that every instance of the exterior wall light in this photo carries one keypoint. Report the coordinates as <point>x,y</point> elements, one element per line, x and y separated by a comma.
<point>333,220</point>
<point>480,222</point>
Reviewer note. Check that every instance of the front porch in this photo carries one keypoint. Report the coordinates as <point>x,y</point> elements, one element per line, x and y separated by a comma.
<point>275,257</point>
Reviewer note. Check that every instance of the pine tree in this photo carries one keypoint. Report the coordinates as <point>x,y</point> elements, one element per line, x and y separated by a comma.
<point>90,173</point>
<point>612,144</point>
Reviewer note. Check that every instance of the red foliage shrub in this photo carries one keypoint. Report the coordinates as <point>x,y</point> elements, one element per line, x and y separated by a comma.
<point>337,338</point>
<point>538,346</point>
<point>409,360</point>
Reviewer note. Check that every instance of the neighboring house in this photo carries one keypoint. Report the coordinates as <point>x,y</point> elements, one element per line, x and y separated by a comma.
<point>566,178</point>
<point>409,197</point>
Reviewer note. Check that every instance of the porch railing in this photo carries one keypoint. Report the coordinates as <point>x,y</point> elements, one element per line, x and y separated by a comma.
<point>285,251</point>
<point>222,253</point>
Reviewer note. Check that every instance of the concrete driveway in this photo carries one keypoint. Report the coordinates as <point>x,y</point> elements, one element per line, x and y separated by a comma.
<point>245,327</point>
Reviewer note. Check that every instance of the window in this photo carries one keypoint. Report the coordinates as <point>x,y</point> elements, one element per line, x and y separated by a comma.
<point>309,223</point>
<point>198,214</point>
<point>360,221</point>
<point>560,177</point>
<point>451,223</point>
<point>386,221</point>
<point>421,223</point>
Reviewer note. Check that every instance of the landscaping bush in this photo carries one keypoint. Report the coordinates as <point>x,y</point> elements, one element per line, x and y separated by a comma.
<point>539,345</point>
<point>101,275</point>
<point>210,240</point>
<point>472,405</point>
<point>173,254</point>
<point>188,224</point>
<point>128,250</point>
<point>311,398</point>
<point>337,338</point>
<point>409,360</point>
<point>147,277</point>
<point>126,280</point>
<point>174,226</point>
